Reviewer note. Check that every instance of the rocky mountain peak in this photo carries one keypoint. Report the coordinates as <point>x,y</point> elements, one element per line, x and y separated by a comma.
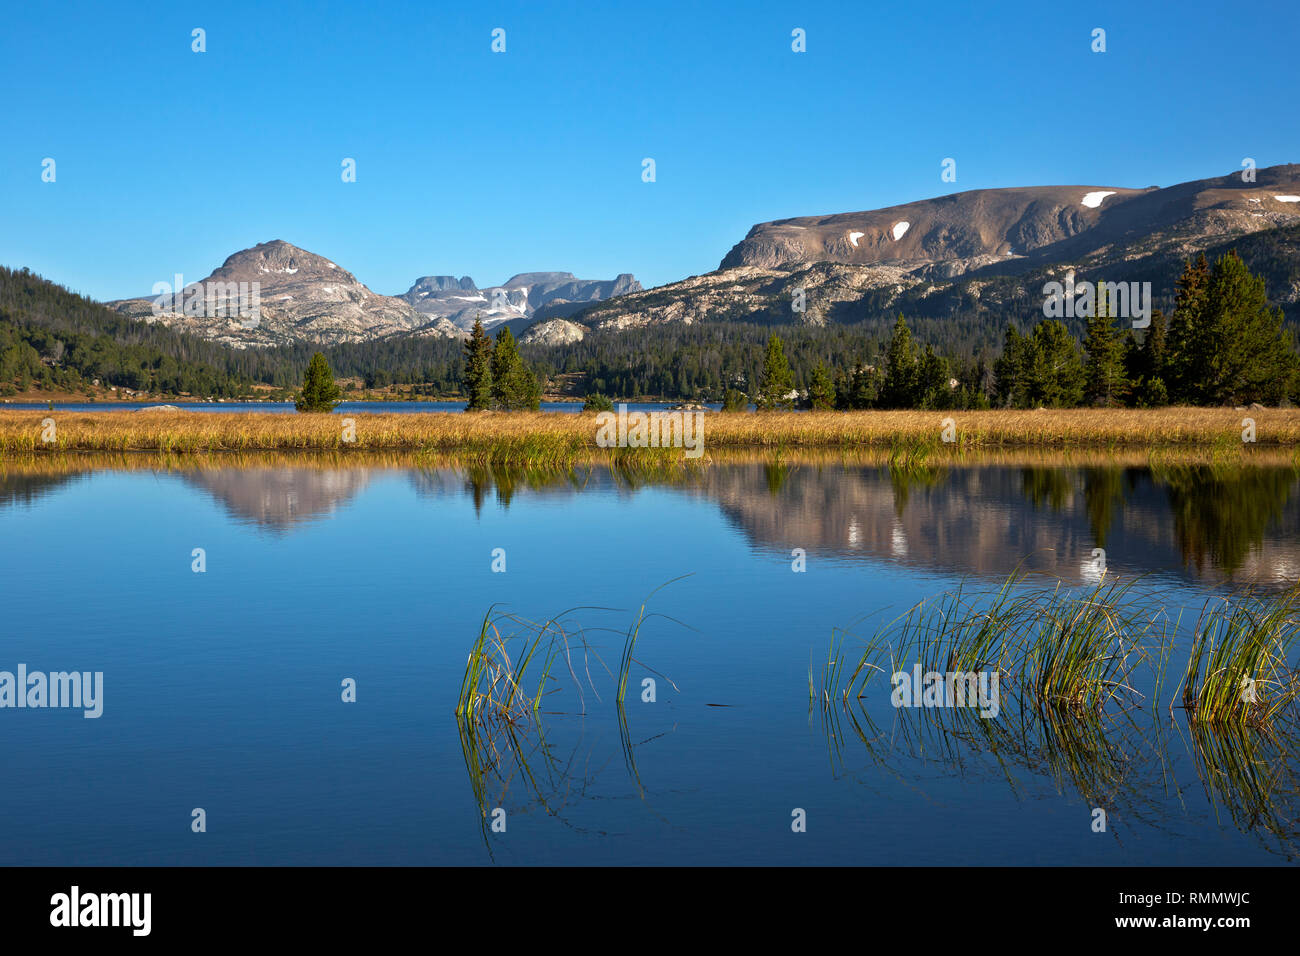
<point>278,260</point>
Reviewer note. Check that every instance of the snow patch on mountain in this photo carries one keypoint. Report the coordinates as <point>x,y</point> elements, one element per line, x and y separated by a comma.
<point>1093,199</point>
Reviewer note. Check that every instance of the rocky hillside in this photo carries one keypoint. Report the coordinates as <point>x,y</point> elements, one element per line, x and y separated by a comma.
<point>950,235</point>
<point>302,297</point>
<point>973,260</point>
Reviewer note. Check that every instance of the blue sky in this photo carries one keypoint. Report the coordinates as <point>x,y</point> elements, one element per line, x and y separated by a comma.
<point>470,162</point>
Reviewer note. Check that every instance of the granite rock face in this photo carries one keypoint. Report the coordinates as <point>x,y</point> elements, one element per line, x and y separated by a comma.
<point>300,297</point>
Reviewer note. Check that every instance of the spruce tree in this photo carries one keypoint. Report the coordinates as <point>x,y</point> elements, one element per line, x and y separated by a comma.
<point>776,381</point>
<point>900,385</point>
<point>1010,369</point>
<point>1105,381</point>
<point>932,377</point>
<point>1146,366</point>
<point>319,393</point>
<point>1185,344</point>
<point>821,390</point>
<point>513,385</point>
<point>478,369</point>
<point>1054,369</point>
<point>1244,353</point>
<point>860,388</point>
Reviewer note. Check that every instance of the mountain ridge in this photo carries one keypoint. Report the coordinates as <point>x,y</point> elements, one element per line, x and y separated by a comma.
<point>304,296</point>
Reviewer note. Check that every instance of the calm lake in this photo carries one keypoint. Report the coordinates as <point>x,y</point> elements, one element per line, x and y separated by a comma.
<point>223,688</point>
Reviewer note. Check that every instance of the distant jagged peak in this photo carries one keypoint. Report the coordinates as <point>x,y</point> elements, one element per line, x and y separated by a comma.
<point>427,284</point>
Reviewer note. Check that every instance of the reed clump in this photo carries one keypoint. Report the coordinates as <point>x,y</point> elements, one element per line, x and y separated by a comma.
<point>1050,647</point>
<point>1064,651</point>
<point>1240,668</point>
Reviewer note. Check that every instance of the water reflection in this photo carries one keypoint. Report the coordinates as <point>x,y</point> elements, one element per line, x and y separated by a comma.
<point>1116,762</point>
<point>1198,520</point>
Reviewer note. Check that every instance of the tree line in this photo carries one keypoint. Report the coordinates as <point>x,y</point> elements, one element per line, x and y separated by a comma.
<point>1222,345</point>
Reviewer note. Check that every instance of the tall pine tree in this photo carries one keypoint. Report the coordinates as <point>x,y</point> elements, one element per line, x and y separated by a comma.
<point>1105,382</point>
<point>900,385</point>
<point>513,385</point>
<point>777,381</point>
<point>1185,343</point>
<point>478,369</point>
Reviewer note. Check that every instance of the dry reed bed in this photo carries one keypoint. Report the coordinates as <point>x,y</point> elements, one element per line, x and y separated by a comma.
<point>539,436</point>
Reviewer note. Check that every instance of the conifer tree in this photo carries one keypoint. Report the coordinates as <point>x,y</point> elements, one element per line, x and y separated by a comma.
<point>821,390</point>
<point>1242,350</point>
<point>1054,370</point>
<point>478,369</point>
<point>900,385</point>
<point>513,384</point>
<point>319,393</point>
<point>1009,370</point>
<point>777,381</point>
<point>1185,345</point>
<point>1105,382</point>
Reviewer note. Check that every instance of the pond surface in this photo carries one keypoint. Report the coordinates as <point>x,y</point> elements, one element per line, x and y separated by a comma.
<point>223,690</point>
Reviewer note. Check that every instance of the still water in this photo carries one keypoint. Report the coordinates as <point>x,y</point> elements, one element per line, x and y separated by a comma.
<point>223,689</point>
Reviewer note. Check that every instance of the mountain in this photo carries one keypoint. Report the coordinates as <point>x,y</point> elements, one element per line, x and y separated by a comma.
<point>950,235</point>
<point>958,266</point>
<point>970,261</point>
<point>532,295</point>
<point>303,297</point>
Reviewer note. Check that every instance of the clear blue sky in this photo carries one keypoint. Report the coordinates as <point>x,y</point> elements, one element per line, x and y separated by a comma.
<point>470,162</point>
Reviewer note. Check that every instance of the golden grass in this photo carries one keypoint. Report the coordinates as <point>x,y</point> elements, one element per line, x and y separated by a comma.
<point>559,436</point>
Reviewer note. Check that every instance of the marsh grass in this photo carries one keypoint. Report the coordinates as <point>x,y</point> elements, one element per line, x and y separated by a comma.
<point>908,436</point>
<point>513,668</point>
<point>1052,647</point>
<point>1058,649</point>
<point>1240,669</point>
<point>494,689</point>
<point>1068,661</point>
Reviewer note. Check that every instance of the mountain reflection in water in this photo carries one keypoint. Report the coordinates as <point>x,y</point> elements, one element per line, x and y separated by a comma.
<point>1199,521</point>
